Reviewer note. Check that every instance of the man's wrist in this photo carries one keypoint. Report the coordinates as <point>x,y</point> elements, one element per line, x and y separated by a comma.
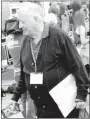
<point>79,100</point>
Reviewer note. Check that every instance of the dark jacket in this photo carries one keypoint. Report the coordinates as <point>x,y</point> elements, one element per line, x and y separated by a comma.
<point>57,58</point>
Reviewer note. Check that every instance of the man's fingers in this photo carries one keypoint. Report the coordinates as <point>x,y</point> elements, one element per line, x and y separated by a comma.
<point>80,105</point>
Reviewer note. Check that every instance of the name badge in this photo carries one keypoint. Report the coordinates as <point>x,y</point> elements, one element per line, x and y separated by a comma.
<point>36,78</point>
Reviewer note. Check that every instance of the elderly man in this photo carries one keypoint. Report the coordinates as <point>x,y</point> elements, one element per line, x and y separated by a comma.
<point>47,56</point>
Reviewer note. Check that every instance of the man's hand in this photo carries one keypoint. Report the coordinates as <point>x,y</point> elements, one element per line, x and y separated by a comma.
<point>80,104</point>
<point>14,105</point>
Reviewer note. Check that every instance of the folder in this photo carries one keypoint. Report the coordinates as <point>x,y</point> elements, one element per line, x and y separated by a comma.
<point>64,94</point>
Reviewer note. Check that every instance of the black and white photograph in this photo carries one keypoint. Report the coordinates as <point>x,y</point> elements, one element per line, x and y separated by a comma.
<point>45,60</point>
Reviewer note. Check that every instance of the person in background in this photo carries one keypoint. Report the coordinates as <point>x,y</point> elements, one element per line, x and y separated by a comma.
<point>65,20</point>
<point>86,12</point>
<point>62,7</point>
<point>47,57</point>
<point>78,23</point>
<point>80,36</point>
<point>51,19</point>
<point>55,9</point>
<point>60,10</point>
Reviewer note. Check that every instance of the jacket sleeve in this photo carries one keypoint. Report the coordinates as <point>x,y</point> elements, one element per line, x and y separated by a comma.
<point>21,87</point>
<point>76,67</point>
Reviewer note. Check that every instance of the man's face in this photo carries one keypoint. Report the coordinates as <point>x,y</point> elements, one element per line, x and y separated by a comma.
<point>31,24</point>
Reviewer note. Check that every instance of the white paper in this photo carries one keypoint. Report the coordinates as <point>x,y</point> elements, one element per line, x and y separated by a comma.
<point>36,78</point>
<point>64,95</point>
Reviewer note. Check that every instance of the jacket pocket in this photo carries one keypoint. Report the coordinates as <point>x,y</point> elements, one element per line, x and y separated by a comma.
<point>53,54</point>
<point>52,78</point>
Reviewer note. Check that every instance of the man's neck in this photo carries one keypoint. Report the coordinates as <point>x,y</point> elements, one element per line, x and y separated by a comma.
<point>38,36</point>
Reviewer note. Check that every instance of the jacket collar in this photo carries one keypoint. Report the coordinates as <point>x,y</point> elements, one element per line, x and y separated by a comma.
<point>45,31</point>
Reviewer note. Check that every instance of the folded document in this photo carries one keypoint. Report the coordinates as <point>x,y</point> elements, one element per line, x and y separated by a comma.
<point>64,94</point>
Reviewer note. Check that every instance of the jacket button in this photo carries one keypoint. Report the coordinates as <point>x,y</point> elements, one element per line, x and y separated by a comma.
<point>43,106</point>
<point>32,64</point>
<point>35,87</point>
<point>38,97</point>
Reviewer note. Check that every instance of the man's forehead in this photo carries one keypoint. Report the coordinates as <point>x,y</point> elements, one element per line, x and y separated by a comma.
<point>26,17</point>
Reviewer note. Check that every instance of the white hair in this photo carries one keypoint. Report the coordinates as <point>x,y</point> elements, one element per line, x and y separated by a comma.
<point>51,19</point>
<point>29,8</point>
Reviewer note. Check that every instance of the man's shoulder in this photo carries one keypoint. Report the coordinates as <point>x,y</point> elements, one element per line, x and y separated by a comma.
<point>59,35</point>
<point>57,32</point>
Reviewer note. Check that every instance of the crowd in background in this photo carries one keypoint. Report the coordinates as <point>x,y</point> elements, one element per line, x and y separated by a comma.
<point>68,16</point>
<point>74,20</point>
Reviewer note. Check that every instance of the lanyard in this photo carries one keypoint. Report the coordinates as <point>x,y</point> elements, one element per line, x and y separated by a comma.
<point>35,53</point>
